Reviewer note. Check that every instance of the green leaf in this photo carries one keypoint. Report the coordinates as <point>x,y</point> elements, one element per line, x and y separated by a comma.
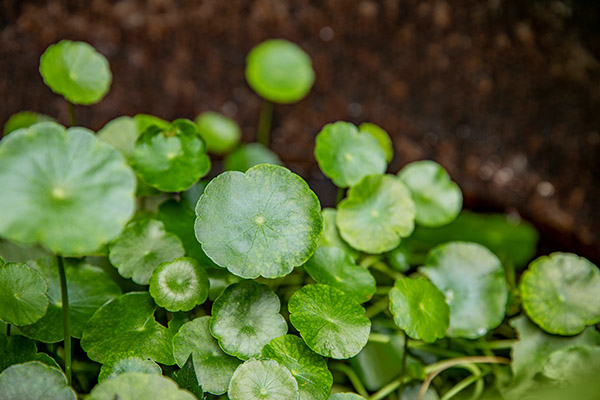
<point>249,155</point>
<point>262,380</point>
<point>382,137</point>
<point>220,279</point>
<point>19,349</point>
<point>345,396</point>
<point>140,249</point>
<point>60,186</point>
<point>186,378</point>
<point>121,133</point>
<point>309,369</point>
<point>377,213</point>
<point>560,293</point>
<point>136,386</point>
<point>22,294</point>
<point>334,267</point>
<point>220,133</point>
<point>331,236</point>
<point>89,287</point>
<point>34,381</point>
<point>437,198</point>
<point>179,285</point>
<point>24,119</point>
<point>279,71</point>
<point>263,222</point>
<point>125,327</point>
<point>331,323</point>
<point>245,318</point>
<point>119,366</point>
<point>21,253</point>
<point>473,281</point>
<point>76,71</point>
<point>214,367</point>
<point>573,365</point>
<point>419,309</point>
<point>346,156</point>
<point>171,158</point>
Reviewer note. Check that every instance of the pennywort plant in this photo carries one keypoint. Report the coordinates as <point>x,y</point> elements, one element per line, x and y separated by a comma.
<point>126,273</point>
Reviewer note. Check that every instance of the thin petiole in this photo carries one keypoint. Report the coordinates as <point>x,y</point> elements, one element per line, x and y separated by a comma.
<point>65,314</point>
<point>264,123</point>
<point>354,379</point>
<point>377,307</point>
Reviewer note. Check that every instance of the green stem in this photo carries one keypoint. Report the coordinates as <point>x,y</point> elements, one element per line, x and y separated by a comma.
<point>369,260</point>
<point>71,107</point>
<point>7,330</point>
<point>340,195</point>
<point>383,290</point>
<point>491,345</point>
<point>389,388</point>
<point>377,308</point>
<point>264,123</point>
<point>354,379</point>
<point>379,338</point>
<point>65,314</point>
<point>462,385</point>
<point>383,268</point>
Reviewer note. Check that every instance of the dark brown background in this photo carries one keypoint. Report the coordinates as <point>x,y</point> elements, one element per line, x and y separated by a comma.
<point>504,94</point>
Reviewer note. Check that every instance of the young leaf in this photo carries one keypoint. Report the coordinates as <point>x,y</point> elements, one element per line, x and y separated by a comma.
<point>76,71</point>
<point>331,323</point>
<point>179,285</point>
<point>24,119</point>
<point>474,283</point>
<point>331,236</point>
<point>346,156</point>
<point>186,378</point>
<point>220,133</point>
<point>381,136</point>
<point>377,213</point>
<point>245,318</point>
<point>560,293</point>
<point>22,294</point>
<point>119,366</point>
<point>125,327</point>
<point>437,198</point>
<point>263,222</point>
<point>136,386</point>
<point>140,249</point>
<point>262,380</point>
<point>279,71</point>
<point>34,381</point>
<point>309,369</point>
<point>214,367</point>
<point>171,159</point>
<point>249,155</point>
<point>59,187</point>
<point>419,309</point>
<point>19,349</point>
<point>334,267</point>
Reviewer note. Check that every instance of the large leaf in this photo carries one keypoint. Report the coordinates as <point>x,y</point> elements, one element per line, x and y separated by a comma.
<point>220,133</point>
<point>136,386</point>
<point>262,380</point>
<point>179,285</point>
<point>22,294</point>
<point>34,381</point>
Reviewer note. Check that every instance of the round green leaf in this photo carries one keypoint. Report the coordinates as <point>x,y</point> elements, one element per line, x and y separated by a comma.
<point>560,293</point>
<point>19,349</point>
<point>214,367</point>
<point>125,327</point>
<point>279,71</point>
<point>331,323</point>
<point>89,287</point>
<point>34,381</point>
<point>136,386</point>
<point>220,133</point>
<point>473,281</point>
<point>140,249</point>
<point>345,396</point>
<point>249,155</point>
<point>419,309</point>
<point>171,158</point>
<point>22,294</point>
<point>334,267</point>
<point>309,369</point>
<point>331,236</point>
<point>346,156</point>
<point>262,380</point>
<point>437,198</point>
<point>263,222</point>
<point>381,136</point>
<point>64,189</point>
<point>24,119</point>
<point>114,368</point>
<point>377,213</point>
<point>573,365</point>
<point>245,318</point>
<point>179,285</point>
<point>76,71</point>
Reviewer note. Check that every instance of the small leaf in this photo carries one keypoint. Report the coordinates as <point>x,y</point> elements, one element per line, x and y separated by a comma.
<point>331,236</point>
<point>116,367</point>
<point>346,156</point>
<point>262,380</point>
<point>419,309</point>
<point>377,213</point>
<point>24,119</point>
<point>245,318</point>
<point>179,285</point>
<point>437,198</point>
<point>334,267</point>
<point>382,137</point>
<point>186,378</point>
<point>220,133</point>
<point>140,249</point>
<point>573,365</point>
<point>263,222</point>
<point>279,71</point>
<point>136,386</point>
<point>308,368</point>
<point>248,155</point>
<point>560,293</point>
<point>76,71</point>
<point>19,349</point>
<point>34,381</point>
<point>331,323</point>
<point>22,294</point>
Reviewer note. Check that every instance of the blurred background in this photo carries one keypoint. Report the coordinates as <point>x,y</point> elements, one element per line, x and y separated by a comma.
<point>504,94</point>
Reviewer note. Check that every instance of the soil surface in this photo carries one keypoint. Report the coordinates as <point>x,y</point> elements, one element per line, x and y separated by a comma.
<point>504,94</point>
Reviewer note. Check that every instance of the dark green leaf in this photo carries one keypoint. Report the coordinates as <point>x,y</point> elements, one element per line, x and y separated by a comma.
<point>186,378</point>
